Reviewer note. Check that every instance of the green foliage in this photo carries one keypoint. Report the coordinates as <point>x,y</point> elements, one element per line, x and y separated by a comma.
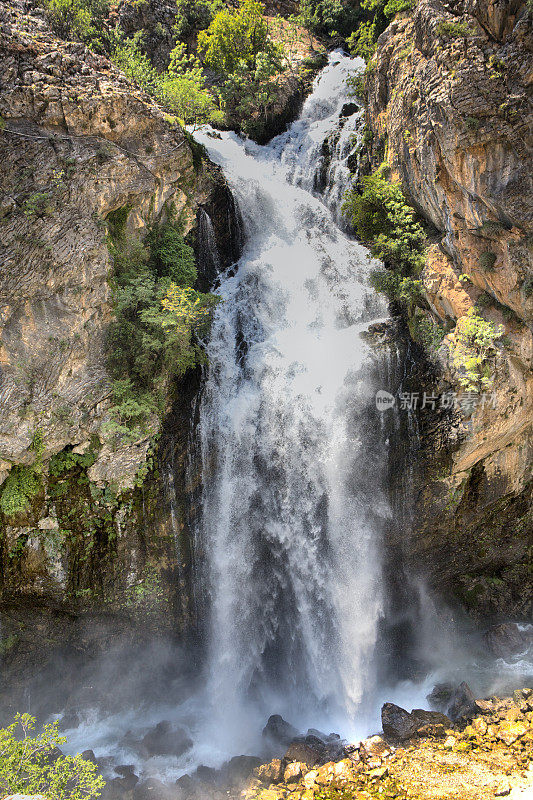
<point>387,223</point>
<point>237,46</point>
<point>181,89</point>
<point>82,19</point>
<point>194,15</point>
<point>472,124</point>
<point>455,30</point>
<point>362,41</point>
<point>8,643</point>
<point>235,37</point>
<point>427,332</point>
<point>487,260</point>
<point>18,489</point>
<point>528,286</point>
<point>144,347</point>
<point>473,349</point>
<point>331,18</point>
<point>66,460</point>
<point>28,764</point>
<point>407,291</point>
<point>38,203</point>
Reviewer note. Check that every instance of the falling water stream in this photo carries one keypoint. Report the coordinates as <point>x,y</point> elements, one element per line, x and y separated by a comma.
<point>292,509</point>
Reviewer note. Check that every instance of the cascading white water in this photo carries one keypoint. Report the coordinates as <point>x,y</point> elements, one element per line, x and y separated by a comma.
<point>292,502</point>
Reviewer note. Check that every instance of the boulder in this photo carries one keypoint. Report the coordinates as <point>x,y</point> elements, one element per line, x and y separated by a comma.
<point>348,109</point>
<point>294,771</point>
<point>271,772</point>
<point>400,724</point>
<point>152,789</point>
<point>463,703</point>
<point>278,731</point>
<point>440,696</point>
<point>506,640</point>
<point>373,749</point>
<point>204,774</point>
<point>307,752</point>
<point>88,755</point>
<point>163,740</point>
<point>396,721</point>
<point>240,767</point>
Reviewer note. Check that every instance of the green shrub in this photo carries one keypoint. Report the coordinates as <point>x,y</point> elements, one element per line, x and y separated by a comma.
<point>362,41</point>
<point>428,333</point>
<point>456,30</point>
<point>387,223</point>
<point>472,124</point>
<point>487,260</point>
<point>407,291</point>
<point>144,348</point>
<point>28,764</point>
<point>181,89</point>
<point>473,349</point>
<point>18,489</point>
<point>81,19</point>
<point>528,286</point>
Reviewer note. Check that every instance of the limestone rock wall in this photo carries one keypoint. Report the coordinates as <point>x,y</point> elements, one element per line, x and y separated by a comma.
<point>77,142</point>
<point>449,106</point>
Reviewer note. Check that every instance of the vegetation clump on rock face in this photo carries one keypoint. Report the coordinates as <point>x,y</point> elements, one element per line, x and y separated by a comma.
<point>32,764</point>
<point>157,314</point>
<point>387,223</point>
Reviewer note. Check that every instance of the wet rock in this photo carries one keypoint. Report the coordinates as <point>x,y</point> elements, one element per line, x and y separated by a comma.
<point>294,771</point>
<point>308,752</point>
<point>505,640</point>
<point>348,109</point>
<point>88,755</point>
<point>241,767</point>
<point>400,724</point>
<point>186,785</point>
<point>164,740</point>
<point>396,721</point>
<point>373,749</point>
<point>205,774</point>
<point>278,731</point>
<point>152,789</point>
<point>462,704</point>
<point>271,772</point>
<point>440,696</point>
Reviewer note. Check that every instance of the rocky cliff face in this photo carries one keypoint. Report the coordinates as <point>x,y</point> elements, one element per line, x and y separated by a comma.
<point>449,105</point>
<point>77,143</point>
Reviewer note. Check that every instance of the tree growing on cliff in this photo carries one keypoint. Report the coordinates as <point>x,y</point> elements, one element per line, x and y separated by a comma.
<point>31,764</point>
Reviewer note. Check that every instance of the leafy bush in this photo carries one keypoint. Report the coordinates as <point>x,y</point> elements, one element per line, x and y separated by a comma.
<point>473,349</point>
<point>19,488</point>
<point>487,260</point>
<point>181,89</point>
<point>362,41</point>
<point>456,30</point>
<point>528,286</point>
<point>234,37</point>
<point>150,341</point>
<point>407,291</point>
<point>331,18</point>
<point>387,223</point>
<point>82,19</point>
<point>29,766</point>
<point>194,15</point>
<point>428,333</point>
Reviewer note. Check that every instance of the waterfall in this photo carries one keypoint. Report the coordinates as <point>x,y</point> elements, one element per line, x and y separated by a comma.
<point>292,506</point>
